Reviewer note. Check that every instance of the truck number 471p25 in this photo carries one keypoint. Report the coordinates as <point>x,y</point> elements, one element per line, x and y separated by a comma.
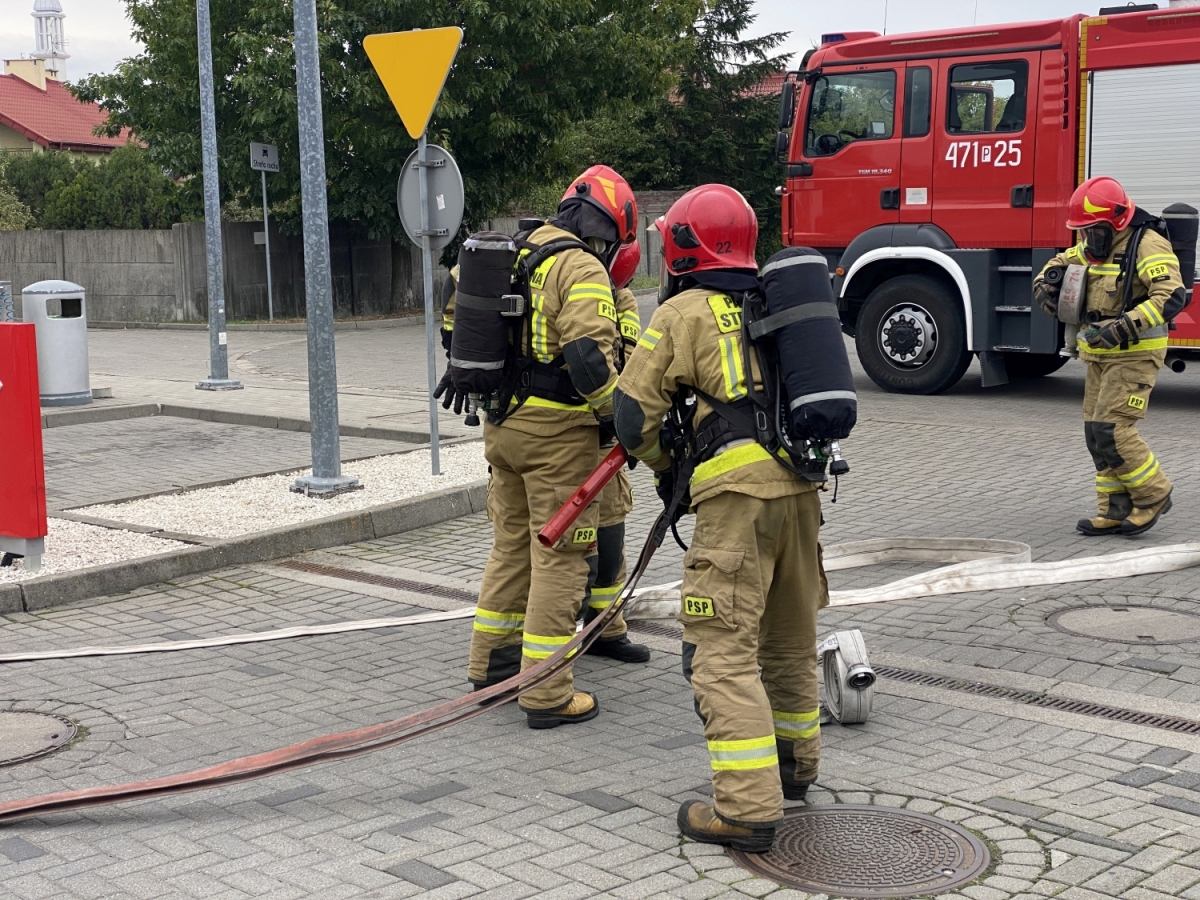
<point>961,154</point>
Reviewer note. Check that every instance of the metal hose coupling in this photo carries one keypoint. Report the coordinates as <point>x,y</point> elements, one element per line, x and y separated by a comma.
<point>849,678</point>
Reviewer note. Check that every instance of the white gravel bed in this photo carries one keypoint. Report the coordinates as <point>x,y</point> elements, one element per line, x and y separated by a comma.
<point>258,504</point>
<point>73,545</point>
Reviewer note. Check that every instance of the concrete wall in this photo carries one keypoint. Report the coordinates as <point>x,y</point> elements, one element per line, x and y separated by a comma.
<point>161,276</point>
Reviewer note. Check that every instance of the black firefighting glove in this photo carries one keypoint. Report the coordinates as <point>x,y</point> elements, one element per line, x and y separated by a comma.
<point>1119,331</point>
<point>608,431</point>
<point>452,394</point>
<point>447,337</point>
<point>1046,296</point>
<point>664,486</point>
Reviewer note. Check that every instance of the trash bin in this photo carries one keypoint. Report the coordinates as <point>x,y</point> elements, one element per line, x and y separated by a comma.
<point>58,312</point>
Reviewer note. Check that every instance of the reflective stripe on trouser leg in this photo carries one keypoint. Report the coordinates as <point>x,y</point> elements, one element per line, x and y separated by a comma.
<point>740,756</point>
<point>496,637</point>
<point>788,638</point>
<point>540,646</point>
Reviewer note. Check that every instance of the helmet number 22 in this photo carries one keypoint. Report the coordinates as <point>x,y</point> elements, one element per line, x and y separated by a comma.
<point>963,154</point>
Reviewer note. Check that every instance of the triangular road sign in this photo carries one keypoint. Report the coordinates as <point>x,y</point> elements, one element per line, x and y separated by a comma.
<point>413,66</point>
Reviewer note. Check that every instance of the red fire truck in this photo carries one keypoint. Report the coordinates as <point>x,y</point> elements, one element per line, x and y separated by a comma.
<point>934,171</point>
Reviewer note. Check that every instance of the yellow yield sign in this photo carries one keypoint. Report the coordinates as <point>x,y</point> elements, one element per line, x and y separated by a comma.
<point>413,66</point>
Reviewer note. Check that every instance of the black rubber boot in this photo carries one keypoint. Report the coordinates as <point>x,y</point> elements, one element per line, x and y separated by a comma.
<point>699,822</point>
<point>580,708</point>
<point>797,790</point>
<point>621,648</point>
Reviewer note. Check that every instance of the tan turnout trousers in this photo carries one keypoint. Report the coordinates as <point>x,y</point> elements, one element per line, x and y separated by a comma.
<point>530,595</point>
<point>752,585</point>
<point>616,500</point>
<point>1116,395</point>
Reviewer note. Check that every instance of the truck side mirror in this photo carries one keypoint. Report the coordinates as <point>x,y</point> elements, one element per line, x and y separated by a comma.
<point>787,105</point>
<point>781,146</point>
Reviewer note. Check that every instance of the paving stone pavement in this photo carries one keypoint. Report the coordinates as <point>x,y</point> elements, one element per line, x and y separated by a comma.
<point>1073,806</point>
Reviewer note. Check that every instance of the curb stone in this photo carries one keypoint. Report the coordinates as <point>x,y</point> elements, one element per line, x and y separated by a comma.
<point>290,540</point>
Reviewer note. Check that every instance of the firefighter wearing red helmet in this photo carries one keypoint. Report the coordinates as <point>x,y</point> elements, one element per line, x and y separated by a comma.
<point>753,580</point>
<point>541,449</point>
<point>1133,290</point>
<point>616,500</point>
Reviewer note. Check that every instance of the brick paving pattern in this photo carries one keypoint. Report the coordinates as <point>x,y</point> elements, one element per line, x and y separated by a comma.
<point>1073,807</point>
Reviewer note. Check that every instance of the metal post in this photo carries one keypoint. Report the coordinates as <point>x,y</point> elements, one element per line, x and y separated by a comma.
<point>327,478</point>
<point>267,241</point>
<point>427,278</point>
<point>218,352</point>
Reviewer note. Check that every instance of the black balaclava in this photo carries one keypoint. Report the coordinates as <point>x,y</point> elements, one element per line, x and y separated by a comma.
<point>590,224</point>
<point>1097,242</point>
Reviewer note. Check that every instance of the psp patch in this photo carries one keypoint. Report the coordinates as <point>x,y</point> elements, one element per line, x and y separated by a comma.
<point>1137,402</point>
<point>1158,271</point>
<point>698,606</point>
<point>584,536</point>
<point>607,310</point>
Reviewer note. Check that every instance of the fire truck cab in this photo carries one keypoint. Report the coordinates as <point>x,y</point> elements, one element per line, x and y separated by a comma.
<point>933,170</point>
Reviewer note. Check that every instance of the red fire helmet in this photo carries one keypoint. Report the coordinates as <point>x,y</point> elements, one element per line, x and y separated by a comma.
<point>709,227</point>
<point>605,189</point>
<point>1100,199</point>
<point>625,266</point>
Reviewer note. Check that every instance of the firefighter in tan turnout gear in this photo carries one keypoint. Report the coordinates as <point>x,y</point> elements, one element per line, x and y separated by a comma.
<point>616,500</point>
<point>752,580</point>
<point>1133,290</point>
<point>547,444</point>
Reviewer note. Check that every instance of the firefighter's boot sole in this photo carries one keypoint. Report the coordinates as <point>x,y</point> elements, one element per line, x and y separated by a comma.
<point>699,822</point>
<point>1131,526</point>
<point>570,713</point>
<point>1091,529</point>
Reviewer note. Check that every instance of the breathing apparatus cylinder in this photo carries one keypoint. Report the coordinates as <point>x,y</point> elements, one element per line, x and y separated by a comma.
<point>802,316</point>
<point>1183,224</point>
<point>485,307</point>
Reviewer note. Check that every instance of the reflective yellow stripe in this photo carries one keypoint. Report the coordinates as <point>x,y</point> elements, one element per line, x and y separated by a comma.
<point>731,368</point>
<point>1106,485</point>
<point>540,646</point>
<point>1141,346</point>
<point>591,286</point>
<point>538,323</point>
<point>1142,473</point>
<point>1150,313</point>
<point>1105,269</point>
<point>728,461</point>
<point>492,622</point>
<point>602,597</point>
<point>590,291</point>
<point>598,400</point>
<point>1077,252</point>
<point>649,338</point>
<point>1169,258</point>
<point>543,403</point>
<point>797,726</point>
<point>732,756</point>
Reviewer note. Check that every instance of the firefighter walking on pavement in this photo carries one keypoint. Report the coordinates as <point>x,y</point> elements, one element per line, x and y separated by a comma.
<point>753,579</point>
<point>544,438</point>
<point>1133,290</point>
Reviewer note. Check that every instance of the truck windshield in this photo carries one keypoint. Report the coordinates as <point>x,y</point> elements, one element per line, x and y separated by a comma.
<point>847,108</point>
<point>987,97</point>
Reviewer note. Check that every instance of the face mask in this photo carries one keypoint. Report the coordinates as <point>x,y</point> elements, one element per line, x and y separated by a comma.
<point>1097,242</point>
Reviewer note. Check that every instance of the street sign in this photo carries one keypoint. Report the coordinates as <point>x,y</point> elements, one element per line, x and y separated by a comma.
<point>264,157</point>
<point>413,66</point>
<point>446,197</point>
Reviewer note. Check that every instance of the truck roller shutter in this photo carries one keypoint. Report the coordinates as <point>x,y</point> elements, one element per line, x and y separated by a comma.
<point>1144,130</point>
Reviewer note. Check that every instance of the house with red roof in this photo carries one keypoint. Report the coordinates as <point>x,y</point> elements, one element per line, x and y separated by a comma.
<point>38,113</point>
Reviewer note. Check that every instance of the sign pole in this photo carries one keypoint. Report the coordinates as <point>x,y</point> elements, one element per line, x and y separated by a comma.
<point>327,478</point>
<point>427,278</point>
<point>267,241</point>
<point>218,350</point>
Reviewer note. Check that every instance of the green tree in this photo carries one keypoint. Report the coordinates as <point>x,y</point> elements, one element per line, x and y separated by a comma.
<point>527,70</point>
<point>14,215</point>
<point>32,175</point>
<point>714,125</point>
<point>125,189</point>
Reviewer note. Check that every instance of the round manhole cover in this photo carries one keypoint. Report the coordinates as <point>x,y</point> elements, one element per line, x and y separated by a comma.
<point>25,735</point>
<point>1129,624</point>
<point>864,851</point>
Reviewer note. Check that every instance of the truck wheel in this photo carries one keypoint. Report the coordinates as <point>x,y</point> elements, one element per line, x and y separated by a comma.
<point>911,336</point>
<point>1033,365</point>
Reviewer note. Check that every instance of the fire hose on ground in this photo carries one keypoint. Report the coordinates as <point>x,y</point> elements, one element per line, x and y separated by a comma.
<point>975,565</point>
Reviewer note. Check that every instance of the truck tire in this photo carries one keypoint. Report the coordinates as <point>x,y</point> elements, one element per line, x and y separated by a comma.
<point>911,336</point>
<point>1033,365</point>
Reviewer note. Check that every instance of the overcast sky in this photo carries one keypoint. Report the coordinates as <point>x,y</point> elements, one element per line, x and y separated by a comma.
<point>98,32</point>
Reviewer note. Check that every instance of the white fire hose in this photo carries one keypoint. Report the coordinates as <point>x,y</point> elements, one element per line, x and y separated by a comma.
<point>975,565</point>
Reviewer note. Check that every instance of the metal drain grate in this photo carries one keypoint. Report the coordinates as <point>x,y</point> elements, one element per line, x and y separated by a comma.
<point>1044,701</point>
<point>654,628</point>
<point>28,735</point>
<point>866,852</point>
<point>400,584</point>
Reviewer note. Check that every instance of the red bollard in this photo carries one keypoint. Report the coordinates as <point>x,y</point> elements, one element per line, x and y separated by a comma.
<point>587,492</point>
<point>23,479</point>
